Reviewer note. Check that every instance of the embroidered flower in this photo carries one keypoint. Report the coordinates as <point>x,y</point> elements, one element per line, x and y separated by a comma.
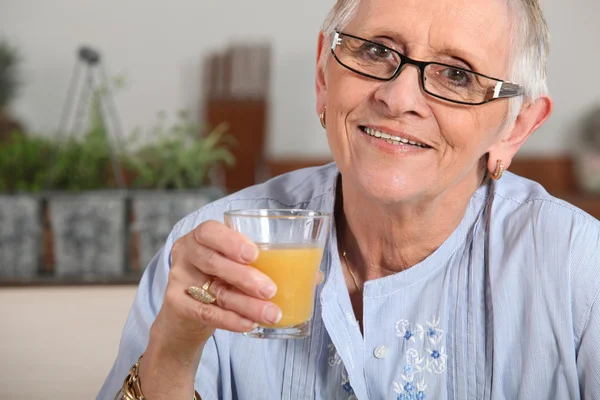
<point>434,333</point>
<point>430,331</point>
<point>436,362</point>
<point>334,358</point>
<point>410,391</point>
<point>421,359</point>
<point>403,330</point>
<point>347,387</point>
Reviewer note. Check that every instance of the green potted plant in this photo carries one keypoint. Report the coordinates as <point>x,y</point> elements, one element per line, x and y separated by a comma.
<point>171,178</point>
<point>24,165</point>
<point>87,211</point>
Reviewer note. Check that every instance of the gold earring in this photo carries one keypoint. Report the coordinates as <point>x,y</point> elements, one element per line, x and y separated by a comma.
<point>322,118</point>
<point>497,174</point>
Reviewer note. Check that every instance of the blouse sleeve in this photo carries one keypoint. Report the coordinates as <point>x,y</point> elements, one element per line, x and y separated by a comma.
<point>585,299</point>
<point>588,358</point>
<point>134,339</point>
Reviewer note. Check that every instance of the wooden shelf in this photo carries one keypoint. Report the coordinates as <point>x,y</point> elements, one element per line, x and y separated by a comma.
<point>50,281</point>
<point>587,202</point>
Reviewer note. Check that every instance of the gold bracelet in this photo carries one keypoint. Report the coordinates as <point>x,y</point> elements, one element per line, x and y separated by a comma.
<point>132,385</point>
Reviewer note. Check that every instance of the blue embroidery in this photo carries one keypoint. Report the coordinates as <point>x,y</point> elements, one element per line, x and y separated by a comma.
<point>419,364</point>
<point>334,359</point>
<point>410,391</point>
<point>347,387</point>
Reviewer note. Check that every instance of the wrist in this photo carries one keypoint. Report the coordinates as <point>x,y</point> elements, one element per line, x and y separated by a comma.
<point>132,390</point>
<point>173,335</point>
<point>172,348</point>
<point>167,371</point>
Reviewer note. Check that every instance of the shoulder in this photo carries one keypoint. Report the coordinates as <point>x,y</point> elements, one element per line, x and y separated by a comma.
<point>295,189</point>
<point>565,237</point>
<point>515,197</point>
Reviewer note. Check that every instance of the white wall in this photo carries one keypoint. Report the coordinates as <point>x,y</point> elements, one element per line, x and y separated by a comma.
<point>159,46</point>
<point>59,343</point>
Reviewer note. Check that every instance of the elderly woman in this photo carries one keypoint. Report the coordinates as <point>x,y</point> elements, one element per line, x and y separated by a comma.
<point>445,277</point>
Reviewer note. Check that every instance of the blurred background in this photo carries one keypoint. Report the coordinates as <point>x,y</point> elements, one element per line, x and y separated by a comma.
<point>117,118</point>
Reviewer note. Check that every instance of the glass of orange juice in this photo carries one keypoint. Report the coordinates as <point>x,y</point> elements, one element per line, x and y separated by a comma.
<point>291,244</point>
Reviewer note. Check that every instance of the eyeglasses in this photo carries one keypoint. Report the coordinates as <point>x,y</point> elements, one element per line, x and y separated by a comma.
<point>446,82</point>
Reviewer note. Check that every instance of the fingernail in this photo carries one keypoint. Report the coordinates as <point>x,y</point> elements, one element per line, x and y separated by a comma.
<point>249,325</point>
<point>273,314</point>
<point>249,252</point>
<point>268,290</point>
<point>321,277</point>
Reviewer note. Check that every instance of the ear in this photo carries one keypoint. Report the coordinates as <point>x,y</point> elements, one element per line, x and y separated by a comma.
<point>321,83</point>
<point>532,116</point>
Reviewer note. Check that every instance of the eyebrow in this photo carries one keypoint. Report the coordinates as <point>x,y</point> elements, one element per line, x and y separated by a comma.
<point>459,54</point>
<point>472,60</point>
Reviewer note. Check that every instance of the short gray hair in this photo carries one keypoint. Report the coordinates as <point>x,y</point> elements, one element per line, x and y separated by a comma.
<point>530,41</point>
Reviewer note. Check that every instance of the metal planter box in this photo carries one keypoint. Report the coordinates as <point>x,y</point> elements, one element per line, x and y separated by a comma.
<point>156,212</point>
<point>20,235</point>
<point>89,233</point>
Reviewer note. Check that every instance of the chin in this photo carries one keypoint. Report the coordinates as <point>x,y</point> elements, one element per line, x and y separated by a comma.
<point>388,187</point>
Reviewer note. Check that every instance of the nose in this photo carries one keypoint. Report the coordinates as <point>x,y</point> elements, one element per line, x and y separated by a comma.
<point>403,95</point>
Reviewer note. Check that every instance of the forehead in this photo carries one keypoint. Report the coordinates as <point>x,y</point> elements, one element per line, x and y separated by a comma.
<point>477,28</point>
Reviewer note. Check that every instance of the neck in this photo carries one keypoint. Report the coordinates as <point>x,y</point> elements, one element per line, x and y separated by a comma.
<point>381,240</point>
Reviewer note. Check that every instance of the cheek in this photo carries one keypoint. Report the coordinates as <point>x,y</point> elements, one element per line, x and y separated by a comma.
<point>348,97</point>
<point>463,128</point>
<point>348,91</point>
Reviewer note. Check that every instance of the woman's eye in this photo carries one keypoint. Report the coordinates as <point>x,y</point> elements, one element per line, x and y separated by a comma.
<point>377,51</point>
<point>458,76</point>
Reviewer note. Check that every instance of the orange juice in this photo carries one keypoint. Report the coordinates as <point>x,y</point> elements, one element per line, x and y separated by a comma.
<point>294,271</point>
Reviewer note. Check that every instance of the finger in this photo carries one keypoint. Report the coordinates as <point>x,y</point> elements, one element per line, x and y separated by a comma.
<point>320,277</point>
<point>216,317</point>
<point>227,296</point>
<point>248,279</point>
<point>230,298</point>
<point>220,238</point>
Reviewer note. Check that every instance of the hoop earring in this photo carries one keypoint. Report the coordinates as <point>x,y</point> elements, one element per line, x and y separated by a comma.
<point>497,174</point>
<point>322,118</point>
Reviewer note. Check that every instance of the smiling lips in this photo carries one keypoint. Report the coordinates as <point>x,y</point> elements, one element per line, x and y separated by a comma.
<point>391,138</point>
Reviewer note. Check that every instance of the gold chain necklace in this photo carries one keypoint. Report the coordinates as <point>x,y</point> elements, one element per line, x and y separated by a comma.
<point>351,273</point>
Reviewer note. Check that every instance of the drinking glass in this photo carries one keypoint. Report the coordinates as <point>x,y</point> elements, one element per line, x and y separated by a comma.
<point>291,244</point>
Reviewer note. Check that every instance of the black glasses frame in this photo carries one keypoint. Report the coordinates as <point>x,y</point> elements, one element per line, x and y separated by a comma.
<point>503,89</point>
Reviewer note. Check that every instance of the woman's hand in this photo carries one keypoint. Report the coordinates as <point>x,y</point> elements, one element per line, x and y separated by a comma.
<point>210,253</point>
<point>214,252</point>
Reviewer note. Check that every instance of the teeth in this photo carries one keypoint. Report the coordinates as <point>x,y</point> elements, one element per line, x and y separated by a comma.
<point>390,138</point>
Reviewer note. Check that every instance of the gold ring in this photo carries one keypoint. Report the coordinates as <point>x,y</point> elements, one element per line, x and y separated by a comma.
<point>201,293</point>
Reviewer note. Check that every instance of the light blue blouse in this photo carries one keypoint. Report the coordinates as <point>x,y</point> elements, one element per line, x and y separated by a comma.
<point>506,308</point>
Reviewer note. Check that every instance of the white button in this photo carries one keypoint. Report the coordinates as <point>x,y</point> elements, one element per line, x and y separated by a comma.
<point>380,352</point>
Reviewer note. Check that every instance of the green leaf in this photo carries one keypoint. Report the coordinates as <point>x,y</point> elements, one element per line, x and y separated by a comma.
<point>180,156</point>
